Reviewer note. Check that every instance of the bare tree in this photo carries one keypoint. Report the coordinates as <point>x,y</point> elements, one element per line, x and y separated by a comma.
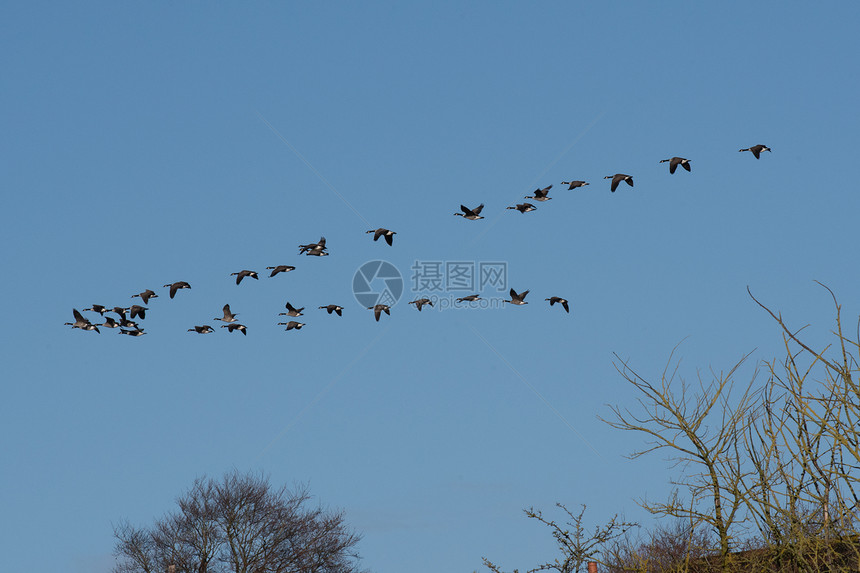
<point>803,446</point>
<point>575,544</point>
<point>239,524</point>
<point>668,547</point>
<point>702,427</point>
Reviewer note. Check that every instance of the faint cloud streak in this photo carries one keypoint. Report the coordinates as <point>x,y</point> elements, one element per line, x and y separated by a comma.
<point>312,168</point>
<point>321,393</point>
<point>533,389</point>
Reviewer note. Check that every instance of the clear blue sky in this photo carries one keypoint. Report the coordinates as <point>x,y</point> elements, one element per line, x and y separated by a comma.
<point>136,150</point>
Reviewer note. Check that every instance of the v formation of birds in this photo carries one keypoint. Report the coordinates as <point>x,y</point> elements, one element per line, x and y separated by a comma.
<point>125,320</point>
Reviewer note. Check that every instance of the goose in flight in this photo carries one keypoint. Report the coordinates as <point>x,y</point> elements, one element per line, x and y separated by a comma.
<point>146,295</point>
<point>126,323</point>
<point>380,232</point>
<point>291,310</point>
<point>176,286</point>
<point>137,311</point>
<point>330,308</point>
<point>378,309</point>
<point>97,308</point>
<point>756,150</point>
<point>317,249</point>
<point>540,194</point>
<point>618,178</point>
<point>471,214</point>
<point>470,298</point>
<point>574,184</point>
<point>675,162</point>
<point>135,332</point>
<point>280,269</point>
<point>421,302</point>
<point>518,299</point>
<point>523,207</point>
<point>81,322</point>
<point>228,316</point>
<point>557,299</point>
<point>242,274</point>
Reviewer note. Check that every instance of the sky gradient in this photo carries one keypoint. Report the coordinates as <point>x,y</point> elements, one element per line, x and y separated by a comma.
<point>147,144</point>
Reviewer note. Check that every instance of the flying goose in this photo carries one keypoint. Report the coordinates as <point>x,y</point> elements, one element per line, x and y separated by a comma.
<point>126,323</point>
<point>471,214</point>
<point>292,324</point>
<point>205,329</point>
<point>380,232</point>
<point>421,302</point>
<point>330,308</point>
<point>137,310</point>
<point>81,322</point>
<point>97,308</point>
<point>146,295</point>
<point>518,299</point>
<point>236,326</point>
<point>120,311</point>
<point>110,323</point>
<point>135,332</point>
<point>756,149</point>
<point>675,162</point>
<point>574,184</point>
<point>228,316</point>
<point>470,298</point>
<point>540,194</point>
<point>557,299</point>
<point>618,178</point>
<point>280,269</point>
<point>176,286</point>
<point>242,274</point>
<point>291,310</point>
<point>314,248</point>
<point>523,207</point>
<point>378,309</point>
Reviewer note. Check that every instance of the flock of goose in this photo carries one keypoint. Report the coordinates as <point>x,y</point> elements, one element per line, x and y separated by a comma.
<point>126,316</point>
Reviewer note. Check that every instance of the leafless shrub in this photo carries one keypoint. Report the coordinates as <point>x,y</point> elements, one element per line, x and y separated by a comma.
<point>239,524</point>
